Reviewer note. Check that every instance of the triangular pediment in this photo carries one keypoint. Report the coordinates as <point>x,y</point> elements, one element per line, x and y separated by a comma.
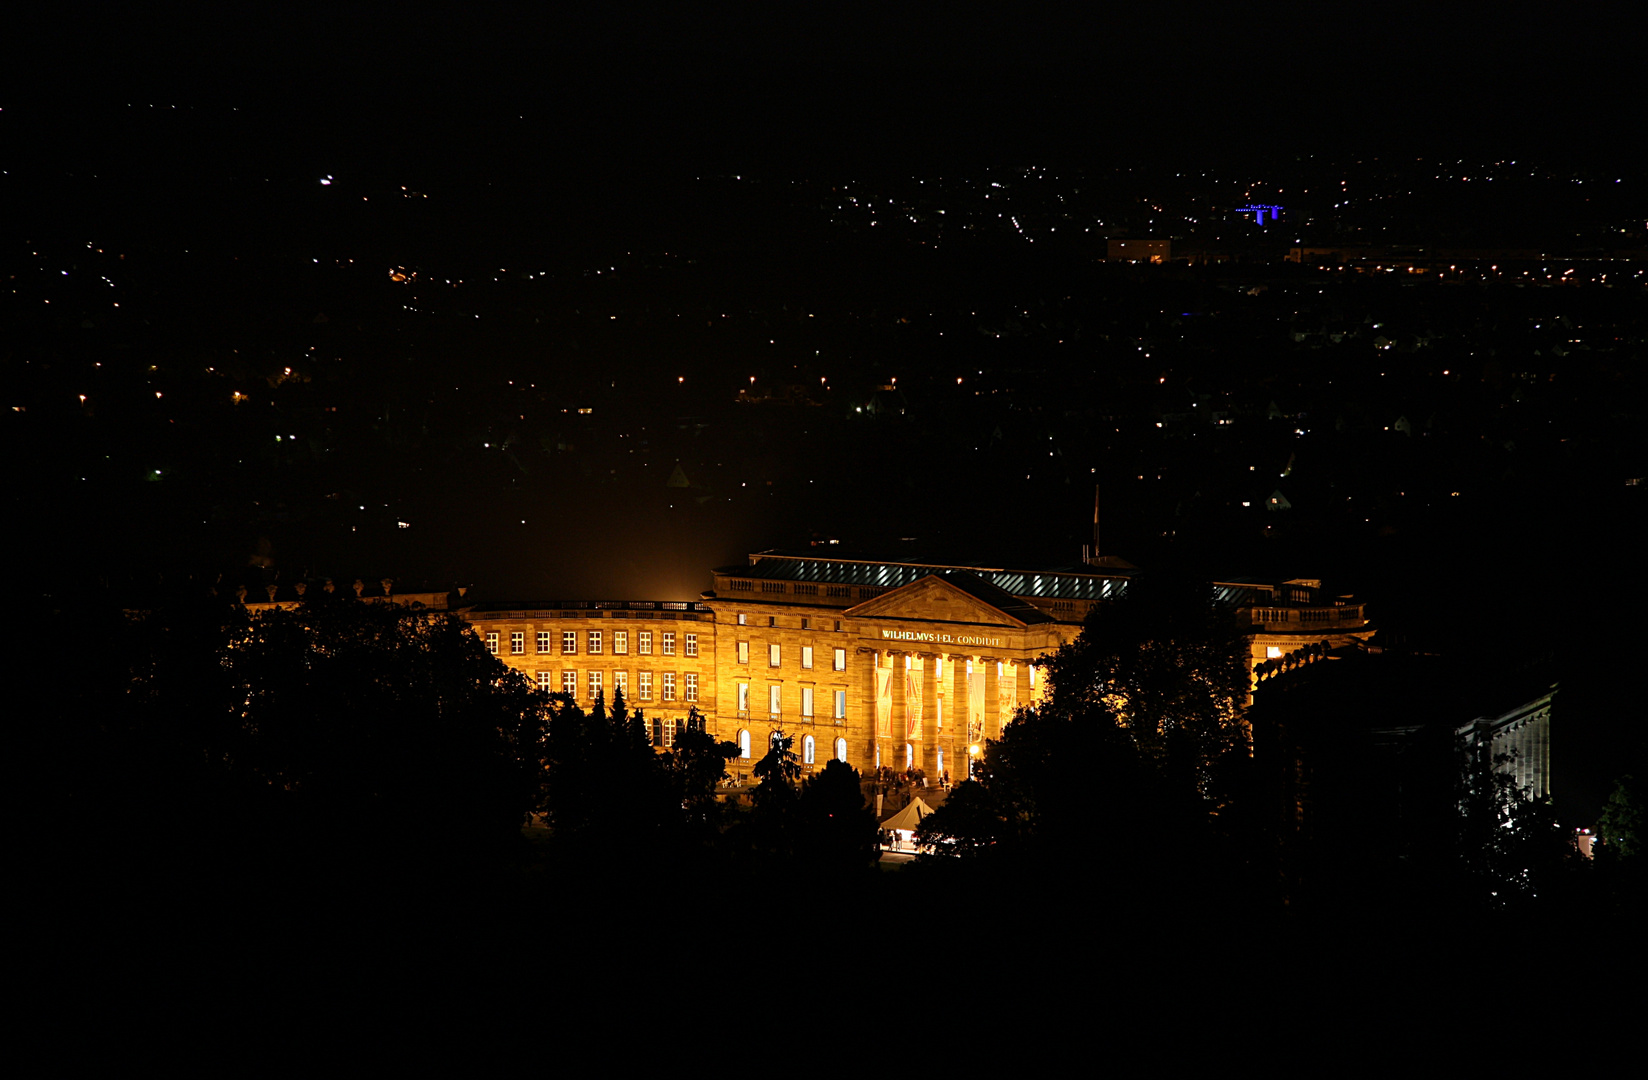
<point>933,599</point>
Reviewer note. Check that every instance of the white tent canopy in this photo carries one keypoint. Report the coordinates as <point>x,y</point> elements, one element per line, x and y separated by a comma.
<point>908,818</point>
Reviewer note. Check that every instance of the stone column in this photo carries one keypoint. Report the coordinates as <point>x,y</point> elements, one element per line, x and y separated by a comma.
<point>872,659</point>
<point>929,706</point>
<point>955,723</point>
<point>992,708</point>
<point>901,714</point>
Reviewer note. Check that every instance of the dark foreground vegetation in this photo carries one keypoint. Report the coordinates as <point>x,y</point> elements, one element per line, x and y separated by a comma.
<point>329,802</point>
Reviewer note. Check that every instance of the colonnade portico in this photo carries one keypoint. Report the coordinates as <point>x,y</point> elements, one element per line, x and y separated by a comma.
<point>947,734</point>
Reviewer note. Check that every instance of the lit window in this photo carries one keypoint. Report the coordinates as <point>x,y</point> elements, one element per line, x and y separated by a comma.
<point>594,685</point>
<point>691,686</point>
<point>841,706</point>
<point>743,652</point>
<point>807,657</point>
<point>669,686</point>
<point>595,643</point>
<point>569,683</point>
<point>543,641</point>
<point>644,686</point>
<point>669,643</point>
<point>569,643</point>
<point>742,618</point>
<point>1272,651</point>
<point>691,644</point>
<point>772,699</point>
<point>544,682</point>
<point>517,642</point>
<point>620,642</point>
<point>743,699</point>
<point>620,684</point>
<point>841,659</point>
<point>807,702</point>
<point>492,642</point>
<point>644,642</point>
<point>772,656</point>
<point>807,750</point>
<point>841,751</point>
<point>909,756</point>
<point>744,743</point>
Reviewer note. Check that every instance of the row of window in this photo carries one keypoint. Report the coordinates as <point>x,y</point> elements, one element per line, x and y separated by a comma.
<point>597,684</point>
<point>772,620</point>
<point>809,747</point>
<point>775,657</point>
<point>774,701</point>
<point>595,642</point>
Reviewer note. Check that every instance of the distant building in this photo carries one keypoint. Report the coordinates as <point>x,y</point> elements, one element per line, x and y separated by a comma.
<point>1145,251</point>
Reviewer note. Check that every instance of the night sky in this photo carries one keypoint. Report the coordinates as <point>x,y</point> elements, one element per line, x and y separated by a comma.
<point>466,145</point>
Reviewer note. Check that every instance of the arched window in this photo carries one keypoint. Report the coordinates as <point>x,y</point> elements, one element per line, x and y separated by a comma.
<point>744,743</point>
<point>841,751</point>
<point>807,750</point>
<point>909,756</point>
<point>941,761</point>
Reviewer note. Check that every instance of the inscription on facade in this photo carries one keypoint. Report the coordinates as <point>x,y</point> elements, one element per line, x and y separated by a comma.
<point>941,639</point>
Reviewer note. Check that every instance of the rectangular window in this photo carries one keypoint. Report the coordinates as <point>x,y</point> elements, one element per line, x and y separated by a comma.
<point>620,684</point>
<point>806,624</point>
<point>841,659</point>
<point>691,678</point>
<point>742,618</point>
<point>772,620</point>
<point>772,656</point>
<point>772,699</point>
<point>569,643</point>
<point>692,645</point>
<point>544,682</point>
<point>838,626</point>
<point>492,642</point>
<point>841,704</point>
<point>743,652</point>
<point>743,699</point>
<point>644,686</point>
<point>669,686</point>
<point>517,642</point>
<point>807,702</point>
<point>595,643</point>
<point>644,642</point>
<point>669,643</point>
<point>807,657</point>
<point>620,642</point>
<point>569,683</point>
<point>543,641</point>
<point>594,685</point>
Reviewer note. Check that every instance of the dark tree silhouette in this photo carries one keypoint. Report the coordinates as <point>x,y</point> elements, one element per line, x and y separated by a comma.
<point>1165,663</point>
<point>839,828</point>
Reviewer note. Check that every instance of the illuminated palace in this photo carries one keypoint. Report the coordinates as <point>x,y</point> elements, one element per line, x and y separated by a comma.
<point>874,663</point>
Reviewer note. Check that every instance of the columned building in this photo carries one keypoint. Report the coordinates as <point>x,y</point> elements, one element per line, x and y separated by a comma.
<point>875,663</point>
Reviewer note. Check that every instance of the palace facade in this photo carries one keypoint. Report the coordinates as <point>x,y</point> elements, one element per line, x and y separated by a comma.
<point>873,663</point>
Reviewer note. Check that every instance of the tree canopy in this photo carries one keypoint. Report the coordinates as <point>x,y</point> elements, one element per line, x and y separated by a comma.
<point>1140,711</point>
